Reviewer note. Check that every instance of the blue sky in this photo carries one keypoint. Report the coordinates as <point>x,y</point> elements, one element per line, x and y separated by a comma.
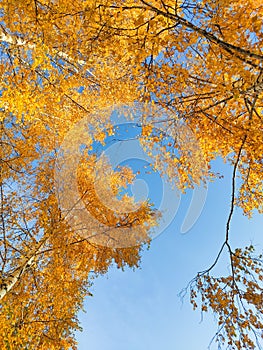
<point>136,310</point>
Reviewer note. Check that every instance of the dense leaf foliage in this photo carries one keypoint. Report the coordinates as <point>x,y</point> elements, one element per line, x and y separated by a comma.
<point>196,66</point>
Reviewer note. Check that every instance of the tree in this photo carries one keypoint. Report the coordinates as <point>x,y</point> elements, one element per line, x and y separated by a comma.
<point>192,64</point>
<point>46,266</point>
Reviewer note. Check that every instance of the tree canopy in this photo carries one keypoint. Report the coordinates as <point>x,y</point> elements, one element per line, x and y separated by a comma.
<point>196,67</point>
